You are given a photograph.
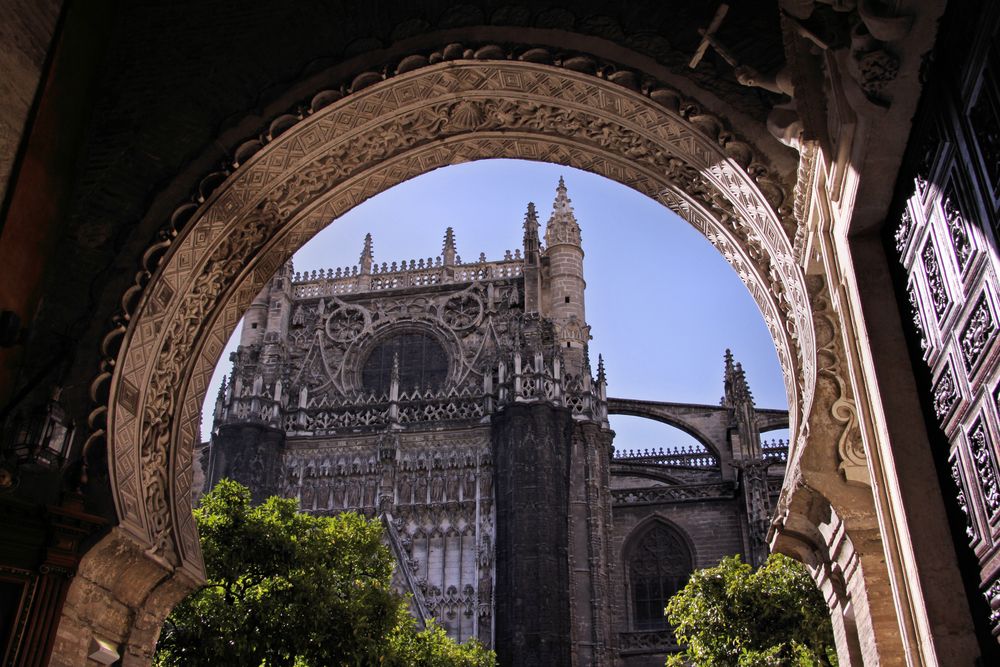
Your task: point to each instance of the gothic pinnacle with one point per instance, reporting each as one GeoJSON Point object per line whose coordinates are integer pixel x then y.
{"type": "Point", "coordinates": [448, 251]}
{"type": "Point", "coordinates": [562, 226]}
{"type": "Point", "coordinates": [366, 255]}
{"type": "Point", "coordinates": [530, 227]}
{"type": "Point", "coordinates": [601, 377]}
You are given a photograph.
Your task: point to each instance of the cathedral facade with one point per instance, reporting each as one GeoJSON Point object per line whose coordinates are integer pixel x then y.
{"type": "Point", "coordinates": [456, 401]}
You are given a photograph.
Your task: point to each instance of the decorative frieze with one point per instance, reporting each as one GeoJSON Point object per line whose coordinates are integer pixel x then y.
{"type": "Point", "coordinates": [648, 641]}
{"type": "Point", "coordinates": [667, 494]}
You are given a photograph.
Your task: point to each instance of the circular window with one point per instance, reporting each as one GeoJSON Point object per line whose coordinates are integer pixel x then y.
{"type": "Point", "coordinates": [422, 363]}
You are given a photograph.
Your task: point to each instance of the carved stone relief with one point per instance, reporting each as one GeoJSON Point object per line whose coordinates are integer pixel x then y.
{"type": "Point", "coordinates": [838, 394]}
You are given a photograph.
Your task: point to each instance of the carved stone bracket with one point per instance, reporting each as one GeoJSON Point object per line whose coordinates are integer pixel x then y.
{"type": "Point", "coordinates": [837, 394]}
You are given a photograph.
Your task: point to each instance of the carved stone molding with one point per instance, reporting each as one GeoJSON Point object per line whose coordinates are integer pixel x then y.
{"type": "Point", "coordinates": [837, 394]}
{"type": "Point", "coordinates": [217, 255]}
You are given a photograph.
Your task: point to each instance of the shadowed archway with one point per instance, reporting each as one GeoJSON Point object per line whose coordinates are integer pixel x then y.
{"type": "Point", "coordinates": [312, 168]}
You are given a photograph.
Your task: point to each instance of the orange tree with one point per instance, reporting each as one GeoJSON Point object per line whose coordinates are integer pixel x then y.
{"type": "Point", "coordinates": [287, 589]}
{"type": "Point", "coordinates": [732, 616]}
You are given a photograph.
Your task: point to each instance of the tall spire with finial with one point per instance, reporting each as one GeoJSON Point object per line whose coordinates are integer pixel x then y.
{"type": "Point", "coordinates": [531, 270]}
{"type": "Point", "coordinates": [367, 256]}
{"type": "Point", "coordinates": [531, 241]}
{"type": "Point", "coordinates": [448, 252]}
{"type": "Point", "coordinates": [562, 226]}
{"type": "Point", "coordinates": [563, 285]}
{"type": "Point", "coordinates": [727, 380]}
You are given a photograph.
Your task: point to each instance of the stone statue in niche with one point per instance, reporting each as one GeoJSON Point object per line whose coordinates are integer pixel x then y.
{"type": "Point", "coordinates": [437, 488]}
{"type": "Point", "coordinates": [308, 495]}
{"type": "Point", "coordinates": [323, 498]}
{"type": "Point", "coordinates": [353, 493]}
{"type": "Point", "coordinates": [486, 484]}
{"type": "Point", "coordinates": [469, 486]}
{"type": "Point", "coordinates": [405, 490]}
{"type": "Point", "coordinates": [338, 493]}
{"type": "Point", "coordinates": [451, 488]}
{"type": "Point", "coordinates": [420, 488]}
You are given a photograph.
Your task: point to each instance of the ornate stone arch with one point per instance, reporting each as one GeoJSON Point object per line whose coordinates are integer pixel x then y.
{"type": "Point", "coordinates": [346, 149]}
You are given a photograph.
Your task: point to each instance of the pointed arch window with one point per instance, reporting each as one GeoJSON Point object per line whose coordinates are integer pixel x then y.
{"type": "Point", "coordinates": [659, 565]}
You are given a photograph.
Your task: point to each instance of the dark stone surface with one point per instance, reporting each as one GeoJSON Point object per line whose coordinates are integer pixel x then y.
{"type": "Point", "coordinates": [531, 464]}
{"type": "Point", "coordinates": [249, 454]}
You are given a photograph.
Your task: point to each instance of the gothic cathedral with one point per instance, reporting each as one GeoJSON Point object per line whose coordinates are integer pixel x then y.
{"type": "Point", "coordinates": [457, 402]}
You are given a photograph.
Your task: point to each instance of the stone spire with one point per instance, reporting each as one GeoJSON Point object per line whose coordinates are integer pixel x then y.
{"type": "Point", "coordinates": [448, 252]}
{"type": "Point", "coordinates": [531, 242]}
{"type": "Point", "coordinates": [532, 262]}
{"type": "Point", "coordinates": [734, 379]}
{"type": "Point", "coordinates": [367, 256]}
{"type": "Point", "coordinates": [562, 226]}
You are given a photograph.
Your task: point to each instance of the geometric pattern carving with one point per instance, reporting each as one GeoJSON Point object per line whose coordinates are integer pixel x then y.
{"type": "Point", "coordinates": [945, 393]}
{"type": "Point", "coordinates": [977, 333]}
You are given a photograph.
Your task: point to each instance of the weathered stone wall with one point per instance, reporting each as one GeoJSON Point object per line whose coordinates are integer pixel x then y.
{"type": "Point", "coordinates": [249, 454]}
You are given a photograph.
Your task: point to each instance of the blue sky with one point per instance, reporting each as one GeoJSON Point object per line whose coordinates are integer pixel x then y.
{"type": "Point", "coordinates": [662, 303]}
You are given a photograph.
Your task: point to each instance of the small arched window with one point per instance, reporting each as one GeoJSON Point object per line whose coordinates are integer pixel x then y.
{"type": "Point", "coordinates": [422, 363]}
{"type": "Point", "coordinates": [659, 565]}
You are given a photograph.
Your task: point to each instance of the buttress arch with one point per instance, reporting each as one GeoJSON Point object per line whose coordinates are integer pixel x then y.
{"type": "Point", "coordinates": [313, 167]}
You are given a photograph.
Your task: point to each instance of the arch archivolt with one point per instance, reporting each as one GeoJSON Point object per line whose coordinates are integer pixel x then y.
{"type": "Point", "coordinates": [338, 156]}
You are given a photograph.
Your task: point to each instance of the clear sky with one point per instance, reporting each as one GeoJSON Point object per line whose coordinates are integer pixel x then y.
{"type": "Point", "coordinates": [662, 303]}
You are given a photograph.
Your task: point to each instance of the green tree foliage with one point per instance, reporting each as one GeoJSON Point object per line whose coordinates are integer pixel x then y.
{"type": "Point", "coordinates": [293, 590]}
{"type": "Point", "coordinates": [731, 616]}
